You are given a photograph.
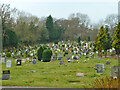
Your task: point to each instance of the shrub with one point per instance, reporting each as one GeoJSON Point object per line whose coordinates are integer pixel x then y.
{"type": "Point", "coordinates": [39, 53]}
{"type": "Point", "coordinates": [105, 83]}
{"type": "Point", "coordinates": [47, 55]}
{"type": "Point", "coordinates": [8, 54]}
{"type": "Point", "coordinates": [56, 42]}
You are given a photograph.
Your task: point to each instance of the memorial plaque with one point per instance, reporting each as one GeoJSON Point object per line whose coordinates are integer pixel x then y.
{"type": "Point", "coordinates": [33, 61]}
{"type": "Point", "coordinates": [99, 68]}
{"type": "Point", "coordinates": [6, 74]}
{"type": "Point", "coordinates": [18, 62]}
{"type": "Point", "coordinates": [80, 74]}
{"type": "Point", "coordinates": [8, 64]}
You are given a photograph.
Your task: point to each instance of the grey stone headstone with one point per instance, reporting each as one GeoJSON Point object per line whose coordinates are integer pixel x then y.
{"type": "Point", "coordinates": [6, 74]}
{"type": "Point", "coordinates": [114, 72]}
{"type": "Point", "coordinates": [59, 58]}
{"type": "Point", "coordinates": [99, 68]}
{"type": "Point", "coordinates": [33, 61]}
{"type": "Point", "coordinates": [8, 64]}
{"type": "Point", "coordinates": [99, 59]}
{"type": "Point", "coordinates": [107, 63]}
{"type": "Point", "coordinates": [61, 62]}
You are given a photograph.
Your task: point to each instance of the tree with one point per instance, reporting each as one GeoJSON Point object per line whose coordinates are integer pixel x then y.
{"type": "Point", "coordinates": [79, 40]}
{"type": "Point", "coordinates": [100, 41]}
{"type": "Point", "coordinates": [44, 35]}
{"type": "Point", "coordinates": [50, 27]}
{"type": "Point", "coordinates": [88, 38]}
{"type": "Point", "coordinates": [116, 39]}
{"type": "Point", "coordinates": [10, 40]}
{"type": "Point", "coordinates": [108, 41]}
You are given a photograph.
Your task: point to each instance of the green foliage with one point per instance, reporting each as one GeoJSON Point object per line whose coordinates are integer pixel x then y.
{"type": "Point", "coordinates": [101, 39]}
{"type": "Point", "coordinates": [88, 38]}
{"type": "Point", "coordinates": [10, 39]}
{"type": "Point", "coordinates": [78, 39]}
{"type": "Point", "coordinates": [44, 35]}
{"type": "Point", "coordinates": [116, 39]}
{"type": "Point", "coordinates": [8, 54]}
{"type": "Point", "coordinates": [47, 55]}
{"type": "Point", "coordinates": [39, 53]}
{"type": "Point", "coordinates": [49, 26]}
{"type": "Point", "coordinates": [55, 42]}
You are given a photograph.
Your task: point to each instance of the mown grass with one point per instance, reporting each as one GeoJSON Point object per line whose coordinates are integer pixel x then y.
{"type": "Point", "coordinates": [54, 75]}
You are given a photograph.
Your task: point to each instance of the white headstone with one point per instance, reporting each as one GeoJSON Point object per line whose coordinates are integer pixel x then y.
{"type": "Point", "coordinates": [8, 64]}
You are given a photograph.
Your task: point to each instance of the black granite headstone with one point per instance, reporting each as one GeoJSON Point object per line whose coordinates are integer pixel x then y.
{"type": "Point", "coordinates": [6, 74]}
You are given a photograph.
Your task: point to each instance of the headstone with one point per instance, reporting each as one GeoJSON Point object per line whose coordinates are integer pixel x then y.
{"type": "Point", "coordinates": [6, 74]}
{"type": "Point", "coordinates": [18, 62]}
{"type": "Point", "coordinates": [8, 64]}
{"type": "Point", "coordinates": [33, 61]}
{"type": "Point", "coordinates": [59, 58]}
{"type": "Point", "coordinates": [107, 63]}
{"type": "Point", "coordinates": [3, 59]}
{"type": "Point", "coordinates": [61, 62]}
{"type": "Point", "coordinates": [99, 68]}
{"type": "Point", "coordinates": [80, 74]}
{"type": "Point", "coordinates": [114, 72]}
{"type": "Point", "coordinates": [99, 59]}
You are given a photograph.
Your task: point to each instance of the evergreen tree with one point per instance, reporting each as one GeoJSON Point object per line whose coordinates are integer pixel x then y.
{"type": "Point", "coordinates": [88, 38]}
{"type": "Point", "coordinates": [116, 39]}
{"type": "Point", "coordinates": [50, 27]}
{"type": "Point", "coordinates": [108, 42]}
{"type": "Point", "coordinates": [78, 39]}
{"type": "Point", "coordinates": [100, 41]}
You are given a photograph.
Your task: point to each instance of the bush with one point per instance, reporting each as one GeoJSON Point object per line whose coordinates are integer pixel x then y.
{"type": "Point", "coordinates": [8, 54]}
{"type": "Point", "coordinates": [55, 42]}
{"type": "Point", "coordinates": [106, 82]}
{"type": "Point", "coordinates": [39, 53]}
{"type": "Point", "coordinates": [47, 55]}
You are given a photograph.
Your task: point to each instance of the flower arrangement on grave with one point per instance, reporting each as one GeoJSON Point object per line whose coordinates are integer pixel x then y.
{"type": "Point", "coordinates": [8, 54]}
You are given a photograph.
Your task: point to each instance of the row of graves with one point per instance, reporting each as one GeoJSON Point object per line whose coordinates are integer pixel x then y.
{"type": "Point", "coordinates": [72, 51]}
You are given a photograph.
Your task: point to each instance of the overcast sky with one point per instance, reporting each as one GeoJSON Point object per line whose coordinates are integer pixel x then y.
{"type": "Point", "coordinates": [95, 9]}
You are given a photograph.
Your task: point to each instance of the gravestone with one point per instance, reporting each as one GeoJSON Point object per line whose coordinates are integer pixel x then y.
{"type": "Point", "coordinates": [99, 68]}
{"type": "Point", "coordinates": [114, 71]}
{"type": "Point", "coordinates": [59, 58]}
{"type": "Point", "coordinates": [61, 62]}
{"type": "Point", "coordinates": [2, 59]}
{"type": "Point", "coordinates": [18, 62]}
{"type": "Point", "coordinates": [107, 63]}
{"type": "Point", "coordinates": [6, 74]}
{"type": "Point", "coordinates": [99, 59]}
{"type": "Point", "coordinates": [80, 74]}
{"type": "Point", "coordinates": [8, 64]}
{"type": "Point", "coordinates": [33, 61]}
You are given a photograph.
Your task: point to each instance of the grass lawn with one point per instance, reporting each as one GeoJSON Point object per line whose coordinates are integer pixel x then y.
{"type": "Point", "coordinates": [54, 75]}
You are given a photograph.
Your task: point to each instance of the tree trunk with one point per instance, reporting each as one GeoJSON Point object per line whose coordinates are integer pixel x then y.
{"type": "Point", "coordinates": [105, 53]}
